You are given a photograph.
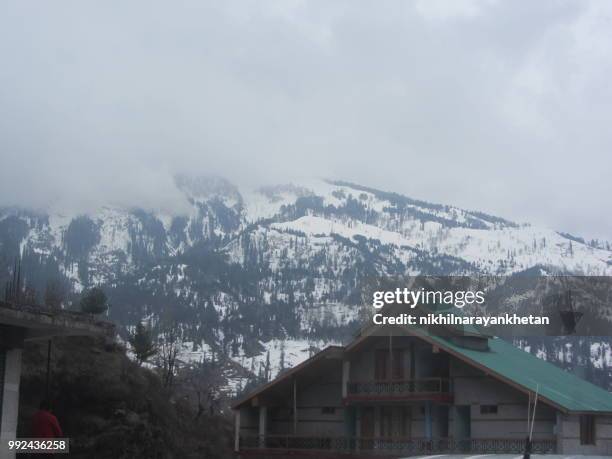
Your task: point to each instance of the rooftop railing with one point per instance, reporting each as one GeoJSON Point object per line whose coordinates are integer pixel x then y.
{"type": "Point", "coordinates": [398, 388]}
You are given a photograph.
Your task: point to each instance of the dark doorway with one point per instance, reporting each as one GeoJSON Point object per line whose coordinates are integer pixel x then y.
{"type": "Point", "coordinates": [367, 429]}
{"type": "Point", "coordinates": [367, 422]}
{"type": "Point", "coordinates": [442, 421]}
{"type": "Point", "coordinates": [463, 422]}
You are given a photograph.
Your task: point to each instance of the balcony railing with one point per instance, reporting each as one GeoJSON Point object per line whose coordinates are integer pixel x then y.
{"type": "Point", "coordinates": [400, 389]}
{"type": "Point", "coordinates": [394, 446]}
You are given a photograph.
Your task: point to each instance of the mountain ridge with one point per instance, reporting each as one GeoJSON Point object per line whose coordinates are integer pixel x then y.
{"type": "Point", "coordinates": [244, 270]}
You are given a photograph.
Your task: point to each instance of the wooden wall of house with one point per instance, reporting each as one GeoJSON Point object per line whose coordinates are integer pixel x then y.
{"type": "Point", "coordinates": [568, 436]}
{"type": "Point", "coordinates": [417, 427]}
{"type": "Point", "coordinates": [474, 388]}
{"type": "Point", "coordinates": [362, 365]}
{"type": "Point", "coordinates": [249, 421]}
{"type": "Point", "coordinates": [319, 405]}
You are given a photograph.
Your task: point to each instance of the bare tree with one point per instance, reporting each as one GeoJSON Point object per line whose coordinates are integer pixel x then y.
{"type": "Point", "coordinates": [203, 380]}
{"type": "Point", "coordinates": [168, 345]}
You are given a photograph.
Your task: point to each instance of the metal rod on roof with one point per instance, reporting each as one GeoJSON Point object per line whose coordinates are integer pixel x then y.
{"type": "Point", "coordinates": [527, 453]}
{"type": "Point", "coordinates": [535, 404]}
{"type": "Point", "coordinates": [528, 410]}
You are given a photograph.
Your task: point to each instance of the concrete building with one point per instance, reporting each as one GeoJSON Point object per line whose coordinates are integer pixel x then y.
{"type": "Point", "coordinates": [401, 391]}
{"type": "Point", "coordinates": [22, 323]}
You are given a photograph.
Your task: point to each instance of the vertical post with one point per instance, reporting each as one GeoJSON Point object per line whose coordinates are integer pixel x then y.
{"type": "Point", "coordinates": [10, 396]}
{"type": "Point", "coordinates": [295, 415]}
{"type": "Point", "coordinates": [412, 361]}
{"type": "Point", "coordinates": [428, 420]}
{"type": "Point", "coordinates": [237, 430]}
{"type": "Point", "coordinates": [2, 373]}
{"type": "Point", "coordinates": [378, 414]}
{"type": "Point", "coordinates": [358, 429]}
{"type": "Point", "coordinates": [48, 378]}
{"type": "Point", "coordinates": [390, 356]}
{"type": "Point", "coordinates": [263, 415]}
{"type": "Point", "coordinates": [346, 371]}
{"type": "Point", "coordinates": [559, 432]}
{"type": "Point", "coordinates": [377, 421]}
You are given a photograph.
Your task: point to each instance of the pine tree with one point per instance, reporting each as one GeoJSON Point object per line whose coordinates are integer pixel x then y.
{"type": "Point", "coordinates": [142, 343]}
{"type": "Point", "coordinates": [267, 369]}
{"type": "Point", "coordinates": [94, 301]}
{"type": "Point", "coordinates": [281, 363]}
{"type": "Point", "coordinates": [55, 294]}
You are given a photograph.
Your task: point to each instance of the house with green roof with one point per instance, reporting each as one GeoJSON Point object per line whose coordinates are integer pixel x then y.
{"type": "Point", "coordinates": [398, 391]}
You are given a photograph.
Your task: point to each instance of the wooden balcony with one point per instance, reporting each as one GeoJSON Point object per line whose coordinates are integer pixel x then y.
{"type": "Point", "coordinates": [272, 445]}
{"type": "Point", "coordinates": [434, 389]}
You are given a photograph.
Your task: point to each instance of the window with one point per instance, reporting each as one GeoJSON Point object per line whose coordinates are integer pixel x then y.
{"type": "Point", "coordinates": [587, 429]}
{"type": "Point", "coordinates": [328, 410]}
{"type": "Point", "coordinates": [488, 409]}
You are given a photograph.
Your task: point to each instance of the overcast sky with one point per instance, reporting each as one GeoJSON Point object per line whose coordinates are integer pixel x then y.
{"type": "Point", "coordinates": [500, 106]}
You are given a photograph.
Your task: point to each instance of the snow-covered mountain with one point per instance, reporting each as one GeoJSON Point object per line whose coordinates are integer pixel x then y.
{"type": "Point", "coordinates": [277, 269]}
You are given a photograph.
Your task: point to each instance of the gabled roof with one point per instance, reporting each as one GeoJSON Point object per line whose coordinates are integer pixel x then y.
{"type": "Point", "coordinates": [328, 352]}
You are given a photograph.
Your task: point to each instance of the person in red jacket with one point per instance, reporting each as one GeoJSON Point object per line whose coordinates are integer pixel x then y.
{"type": "Point", "coordinates": [45, 424]}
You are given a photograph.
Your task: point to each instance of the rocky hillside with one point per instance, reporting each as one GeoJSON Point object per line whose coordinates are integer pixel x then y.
{"type": "Point", "coordinates": [276, 272]}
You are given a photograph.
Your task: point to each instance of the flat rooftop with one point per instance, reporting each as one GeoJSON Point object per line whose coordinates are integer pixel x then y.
{"type": "Point", "coordinates": [41, 323]}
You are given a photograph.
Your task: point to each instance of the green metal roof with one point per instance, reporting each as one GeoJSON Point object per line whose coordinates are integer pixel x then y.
{"type": "Point", "coordinates": [524, 369]}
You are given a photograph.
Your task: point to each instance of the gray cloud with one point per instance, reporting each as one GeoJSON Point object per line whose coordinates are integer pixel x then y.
{"type": "Point", "coordinates": [501, 106]}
